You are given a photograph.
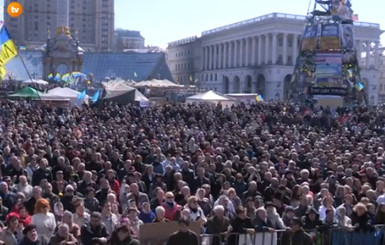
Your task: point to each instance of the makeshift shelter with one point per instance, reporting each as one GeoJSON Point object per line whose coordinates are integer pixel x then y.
{"type": "Point", "coordinates": [210, 97]}
{"type": "Point", "coordinates": [245, 98]}
{"type": "Point", "coordinates": [26, 92]}
{"type": "Point", "coordinates": [118, 91]}
{"type": "Point", "coordinates": [64, 94]}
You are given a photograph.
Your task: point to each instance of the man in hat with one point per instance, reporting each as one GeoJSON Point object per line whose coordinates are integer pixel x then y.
{"type": "Point", "coordinates": [184, 235]}
{"type": "Point", "coordinates": [298, 235]}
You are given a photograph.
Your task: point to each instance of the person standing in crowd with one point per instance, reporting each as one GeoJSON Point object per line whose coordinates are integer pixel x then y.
{"type": "Point", "coordinates": [43, 219]}
{"type": "Point", "coordinates": [31, 236]}
{"type": "Point", "coordinates": [298, 235]}
{"type": "Point", "coordinates": [219, 224]}
{"type": "Point", "coordinates": [94, 232]}
{"type": "Point", "coordinates": [63, 236]}
{"type": "Point", "coordinates": [184, 235]}
{"type": "Point", "coordinates": [12, 234]}
{"type": "Point", "coordinates": [121, 236]}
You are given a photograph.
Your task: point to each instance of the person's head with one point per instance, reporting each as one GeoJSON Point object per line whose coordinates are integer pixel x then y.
{"type": "Point", "coordinates": [42, 206]}
{"type": "Point", "coordinates": [219, 211]}
{"type": "Point", "coordinates": [30, 232]}
{"type": "Point", "coordinates": [96, 219]}
{"type": "Point", "coordinates": [12, 220]}
{"type": "Point", "coordinates": [184, 224]}
{"type": "Point", "coordinates": [107, 207]}
{"type": "Point", "coordinates": [134, 188]}
{"type": "Point", "coordinates": [241, 212]}
{"type": "Point", "coordinates": [63, 230]}
{"type": "Point", "coordinates": [67, 217]}
{"type": "Point", "coordinates": [3, 187]}
{"type": "Point", "coordinates": [146, 207]}
{"type": "Point", "coordinates": [69, 190]}
{"type": "Point", "coordinates": [169, 197]}
{"type": "Point", "coordinates": [160, 212]}
{"type": "Point", "coordinates": [133, 212]}
{"type": "Point", "coordinates": [360, 209]}
{"type": "Point", "coordinates": [193, 202]}
{"type": "Point", "coordinates": [123, 232]}
{"type": "Point", "coordinates": [261, 213]}
{"type": "Point", "coordinates": [289, 212]}
{"type": "Point", "coordinates": [23, 180]}
{"type": "Point", "coordinates": [295, 224]}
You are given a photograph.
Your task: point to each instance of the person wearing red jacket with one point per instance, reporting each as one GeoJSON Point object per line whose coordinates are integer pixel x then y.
{"type": "Point", "coordinates": [171, 207]}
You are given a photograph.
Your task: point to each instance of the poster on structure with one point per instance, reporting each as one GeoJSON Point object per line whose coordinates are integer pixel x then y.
{"type": "Point", "coordinates": [330, 37]}
{"type": "Point", "coordinates": [328, 65]}
{"type": "Point", "coordinates": [309, 41]}
{"type": "Point", "coordinates": [348, 37]}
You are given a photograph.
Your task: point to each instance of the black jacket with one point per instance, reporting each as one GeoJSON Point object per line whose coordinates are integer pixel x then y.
{"type": "Point", "coordinates": [185, 238]}
{"type": "Point", "coordinates": [88, 234]}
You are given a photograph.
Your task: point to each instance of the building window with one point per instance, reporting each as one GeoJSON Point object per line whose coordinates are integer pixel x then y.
{"type": "Point", "coordinates": [290, 42]}
{"type": "Point", "coordinates": [280, 42]}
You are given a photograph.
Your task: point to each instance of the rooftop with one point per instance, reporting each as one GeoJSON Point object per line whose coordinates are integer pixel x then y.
{"type": "Point", "coordinates": [301, 18]}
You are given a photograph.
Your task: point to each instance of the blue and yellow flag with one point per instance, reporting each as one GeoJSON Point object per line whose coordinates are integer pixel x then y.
{"type": "Point", "coordinates": [8, 49]}
{"type": "Point", "coordinates": [50, 76]}
{"type": "Point", "coordinates": [57, 77]}
{"type": "Point", "coordinates": [259, 98]}
{"type": "Point", "coordinates": [65, 77]}
{"type": "Point", "coordinates": [360, 86]}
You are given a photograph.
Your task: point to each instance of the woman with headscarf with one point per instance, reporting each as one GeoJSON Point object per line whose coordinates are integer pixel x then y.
{"type": "Point", "coordinates": [43, 219]}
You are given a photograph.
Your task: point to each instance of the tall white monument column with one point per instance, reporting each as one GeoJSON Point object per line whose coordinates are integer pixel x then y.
{"type": "Point", "coordinates": [259, 50]}
{"type": "Point", "coordinates": [230, 54]}
{"type": "Point", "coordinates": [295, 48]}
{"type": "Point", "coordinates": [247, 52]}
{"type": "Point", "coordinates": [368, 54]}
{"type": "Point", "coordinates": [267, 48]}
{"type": "Point", "coordinates": [236, 53]}
{"type": "Point", "coordinates": [241, 51]}
{"type": "Point", "coordinates": [284, 55]}
{"type": "Point", "coordinates": [253, 50]}
{"type": "Point", "coordinates": [274, 49]}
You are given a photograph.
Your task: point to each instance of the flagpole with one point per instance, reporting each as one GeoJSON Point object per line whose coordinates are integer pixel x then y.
{"type": "Point", "coordinates": [25, 67]}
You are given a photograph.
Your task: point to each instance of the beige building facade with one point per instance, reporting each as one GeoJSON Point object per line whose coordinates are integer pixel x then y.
{"type": "Point", "coordinates": [258, 56]}
{"type": "Point", "coordinates": [90, 21]}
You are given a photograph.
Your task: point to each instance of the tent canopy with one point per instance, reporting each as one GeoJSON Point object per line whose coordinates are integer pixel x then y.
{"type": "Point", "coordinates": [35, 81]}
{"type": "Point", "coordinates": [208, 96]}
{"type": "Point", "coordinates": [121, 92]}
{"type": "Point", "coordinates": [27, 92]}
{"type": "Point", "coordinates": [154, 83]}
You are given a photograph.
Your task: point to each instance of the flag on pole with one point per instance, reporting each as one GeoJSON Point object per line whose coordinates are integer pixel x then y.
{"type": "Point", "coordinates": [50, 76]}
{"type": "Point", "coordinates": [65, 77]}
{"type": "Point", "coordinates": [57, 77]}
{"type": "Point", "coordinates": [82, 95]}
{"type": "Point", "coordinates": [96, 96]}
{"type": "Point", "coordinates": [259, 98]}
{"type": "Point", "coordinates": [360, 86]}
{"type": "Point", "coordinates": [8, 50]}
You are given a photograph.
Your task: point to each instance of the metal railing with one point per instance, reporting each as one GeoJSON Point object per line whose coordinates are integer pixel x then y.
{"type": "Point", "coordinates": [332, 236]}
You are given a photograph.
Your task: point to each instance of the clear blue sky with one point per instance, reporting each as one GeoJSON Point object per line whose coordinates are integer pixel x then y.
{"type": "Point", "coordinates": [162, 21]}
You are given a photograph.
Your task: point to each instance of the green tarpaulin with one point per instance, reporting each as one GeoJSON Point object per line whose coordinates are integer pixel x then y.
{"type": "Point", "coordinates": [27, 92]}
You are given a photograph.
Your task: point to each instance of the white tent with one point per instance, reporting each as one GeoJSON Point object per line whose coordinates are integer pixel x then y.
{"type": "Point", "coordinates": [63, 94]}
{"type": "Point", "coordinates": [154, 83]}
{"type": "Point", "coordinates": [35, 81]}
{"type": "Point", "coordinates": [210, 97]}
{"type": "Point", "coordinates": [121, 92]}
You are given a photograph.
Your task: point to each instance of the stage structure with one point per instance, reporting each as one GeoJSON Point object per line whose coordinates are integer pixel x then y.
{"type": "Point", "coordinates": [327, 63]}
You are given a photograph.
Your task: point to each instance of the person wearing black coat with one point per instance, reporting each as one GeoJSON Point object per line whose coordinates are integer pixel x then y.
{"type": "Point", "coordinates": [361, 219]}
{"type": "Point", "coordinates": [311, 220]}
{"type": "Point", "coordinates": [31, 237]}
{"type": "Point", "coordinates": [298, 235]}
{"type": "Point", "coordinates": [121, 236]}
{"type": "Point", "coordinates": [94, 232]}
{"type": "Point", "coordinates": [241, 225]}
{"type": "Point", "coordinates": [184, 236]}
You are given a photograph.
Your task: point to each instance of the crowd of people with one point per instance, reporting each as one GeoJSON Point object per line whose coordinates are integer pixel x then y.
{"type": "Point", "coordinates": [94, 175]}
